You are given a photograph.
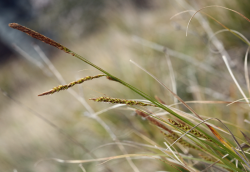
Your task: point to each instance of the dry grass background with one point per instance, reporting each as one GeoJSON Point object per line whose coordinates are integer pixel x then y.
{"type": "Point", "coordinates": [26, 139]}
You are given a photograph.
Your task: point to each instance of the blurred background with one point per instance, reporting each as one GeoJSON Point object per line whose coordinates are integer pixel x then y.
{"type": "Point", "coordinates": [110, 34]}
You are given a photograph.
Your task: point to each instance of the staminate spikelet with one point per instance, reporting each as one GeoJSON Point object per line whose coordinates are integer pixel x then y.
{"type": "Point", "coordinates": [185, 127]}
{"type": "Point", "coordinates": [121, 101]}
{"type": "Point", "coordinates": [38, 36]}
{"type": "Point", "coordinates": [64, 87]}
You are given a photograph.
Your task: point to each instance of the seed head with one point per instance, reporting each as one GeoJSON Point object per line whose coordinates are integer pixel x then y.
{"type": "Point", "coordinates": [64, 87]}
{"type": "Point", "coordinates": [121, 101]}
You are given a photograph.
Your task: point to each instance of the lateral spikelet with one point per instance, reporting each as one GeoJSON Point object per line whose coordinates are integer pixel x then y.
{"type": "Point", "coordinates": [185, 127]}
{"type": "Point", "coordinates": [172, 136]}
{"type": "Point", "coordinates": [121, 101]}
{"type": "Point", "coordinates": [64, 87]}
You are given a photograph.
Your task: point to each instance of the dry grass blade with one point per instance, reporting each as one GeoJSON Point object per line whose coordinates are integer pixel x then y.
{"type": "Point", "coordinates": [246, 137]}
{"type": "Point", "coordinates": [95, 160]}
{"type": "Point", "coordinates": [186, 11]}
{"type": "Point", "coordinates": [211, 102]}
{"type": "Point", "coordinates": [232, 31]}
{"type": "Point", "coordinates": [82, 168]}
{"type": "Point", "coordinates": [172, 76]}
{"type": "Point", "coordinates": [28, 57]}
{"type": "Point", "coordinates": [238, 101]}
{"type": "Point", "coordinates": [246, 70]}
{"type": "Point", "coordinates": [214, 6]}
{"type": "Point", "coordinates": [180, 160]}
{"type": "Point", "coordinates": [234, 79]}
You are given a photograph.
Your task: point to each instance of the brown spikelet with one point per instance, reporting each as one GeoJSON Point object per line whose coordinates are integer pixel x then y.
{"type": "Point", "coordinates": [38, 36]}
{"type": "Point", "coordinates": [172, 135]}
{"type": "Point", "coordinates": [121, 101]}
{"type": "Point", "coordinates": [49, 41]}
{"type": "Point", "coordinates": [185, 127]}
{"type": "Point", "coordinates": [64, 87]}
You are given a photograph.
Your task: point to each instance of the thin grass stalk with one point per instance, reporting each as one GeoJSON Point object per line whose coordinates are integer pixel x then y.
{"type": "Point", "coordinates": [234, 79]}
{"type": "Point", "coordinates": [218, 21]}
{"type": "Point", "coordinates": [246, 70]}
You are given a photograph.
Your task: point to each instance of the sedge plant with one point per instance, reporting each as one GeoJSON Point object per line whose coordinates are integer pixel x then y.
{"type": "Point", "coordinates": [194, 133]}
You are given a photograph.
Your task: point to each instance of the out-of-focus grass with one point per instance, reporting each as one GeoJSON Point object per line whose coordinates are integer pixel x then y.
{"type": "Point", "coordinates": [25, 138]}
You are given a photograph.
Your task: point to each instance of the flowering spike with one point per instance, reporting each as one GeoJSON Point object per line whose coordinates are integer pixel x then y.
{"type": "Point", "coordinates": [172, 135]}
{"type": "Point", "coordinates": [185, 127]}
{"type": "Point", "coordinates": [38, 36]}
{"type": "Point", "coordinates": [121, 101]}
{"type": "Point", "coordinates": [64, 87]}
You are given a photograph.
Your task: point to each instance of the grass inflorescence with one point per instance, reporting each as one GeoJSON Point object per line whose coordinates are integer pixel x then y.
{"type": "Point", "coordinates": [38, 36]}
{"type": "Point", "coordinates": [185, 127]}
{"type": "Point", "coordinates": [121, 101]}
{"type": "Point", "coordinates": [67, 86]}
{"type": "Point", "coordinates": [171, 135]}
